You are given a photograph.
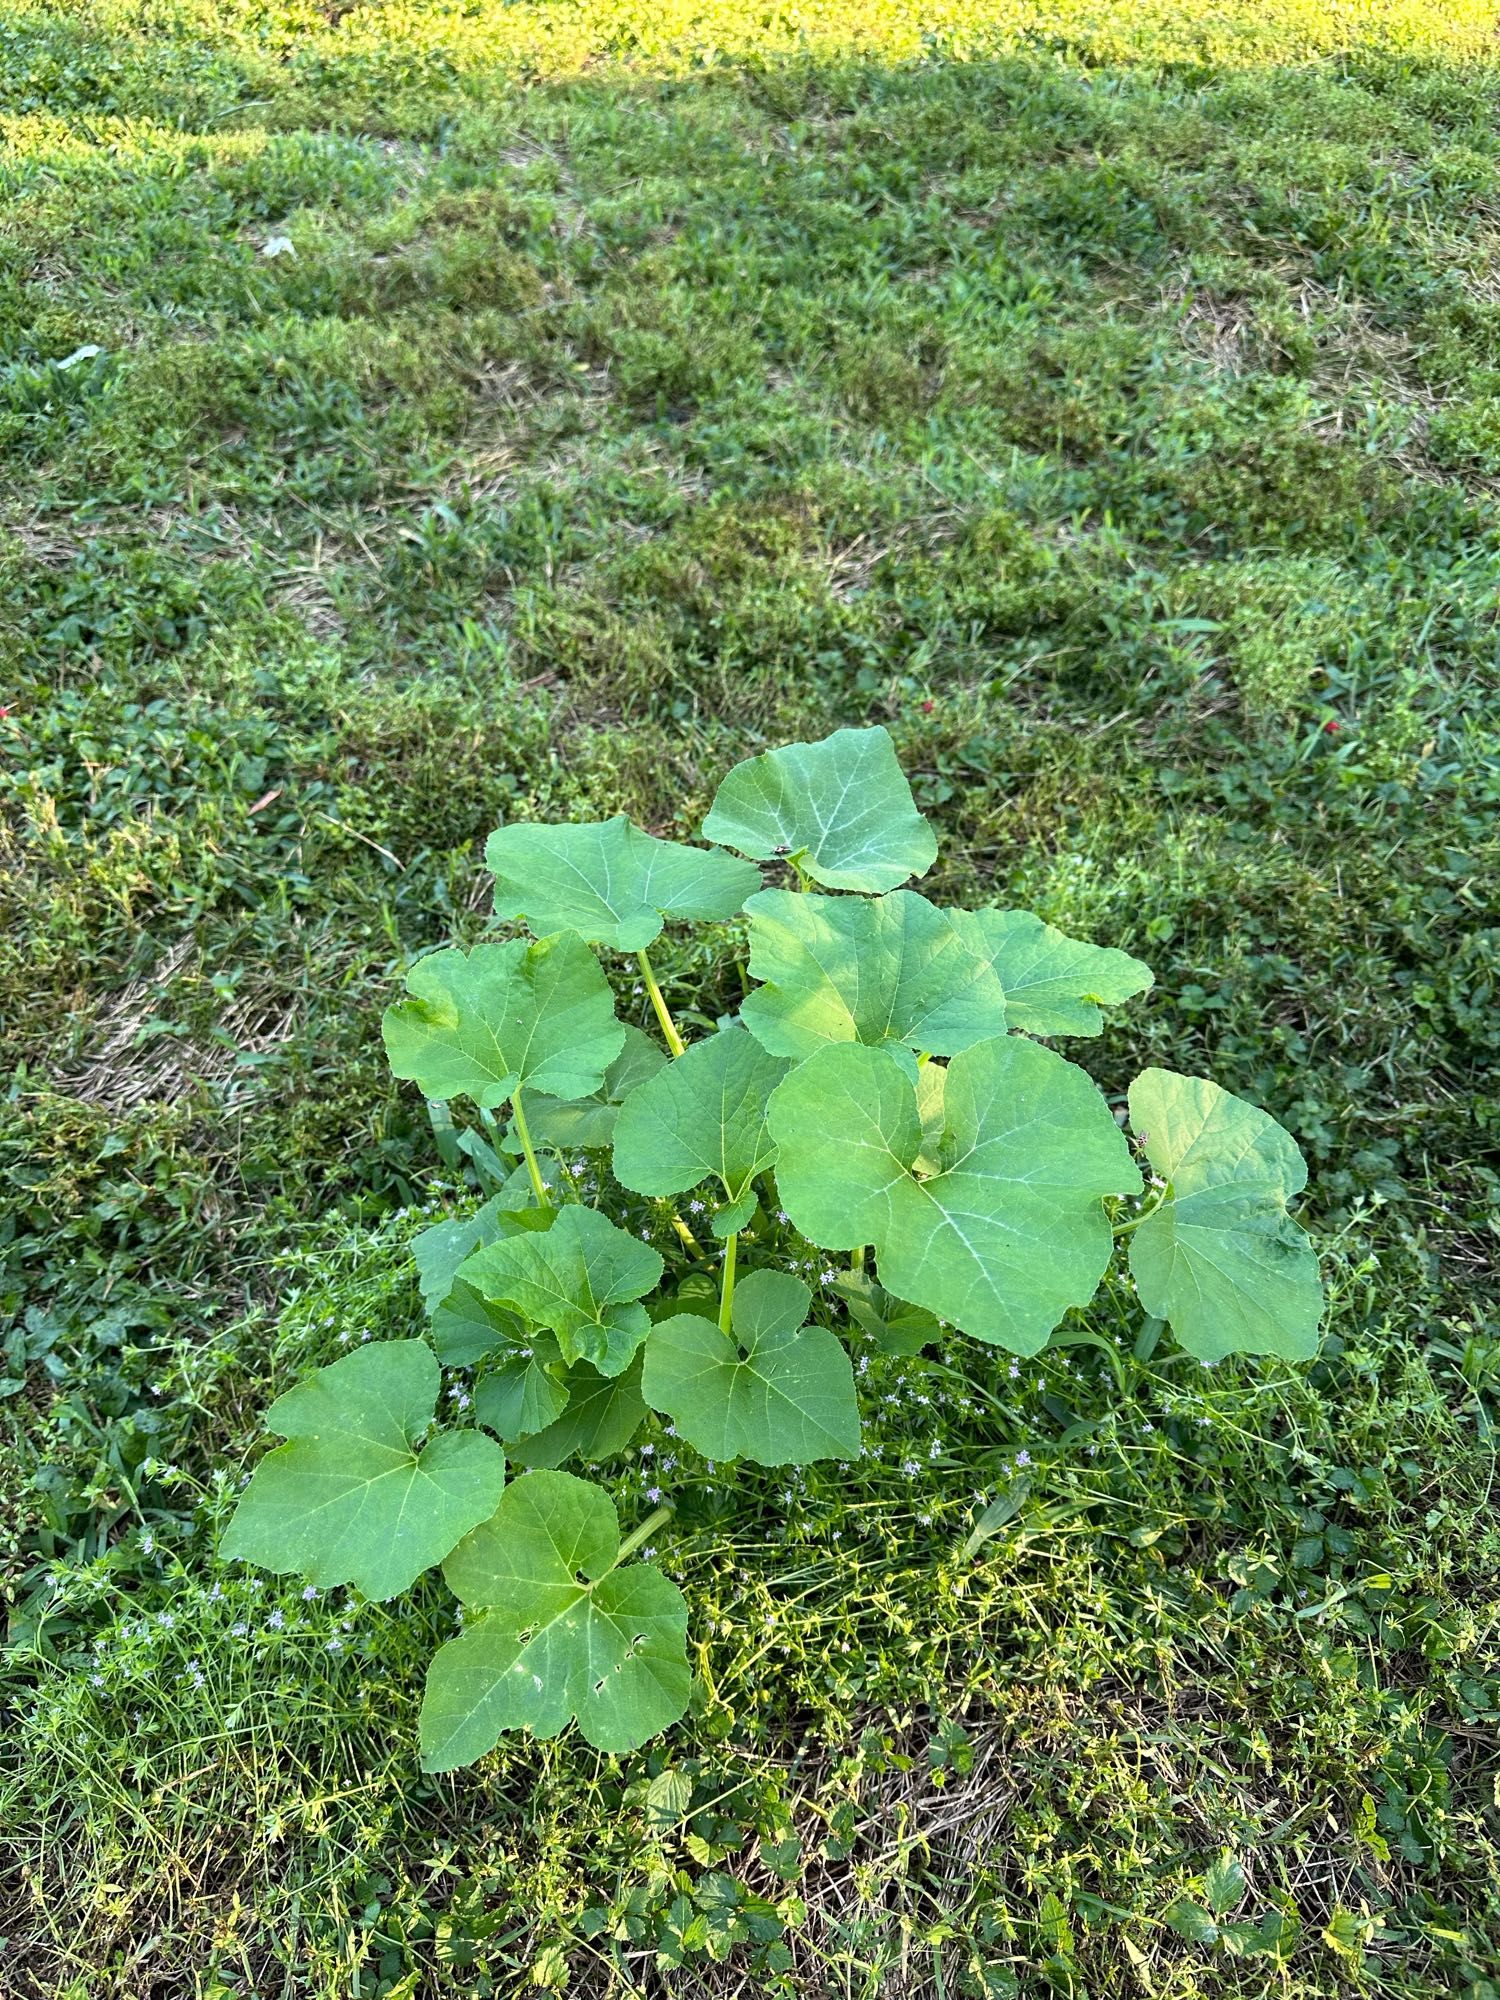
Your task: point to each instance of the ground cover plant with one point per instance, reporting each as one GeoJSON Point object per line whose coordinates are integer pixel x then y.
{"type": "Point", "coordinates": [420, 420]}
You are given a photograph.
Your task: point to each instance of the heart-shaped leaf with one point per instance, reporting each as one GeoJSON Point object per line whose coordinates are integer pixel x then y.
{"type": "Point", "coordinates": [851, 969]}
{"type": "Point", "coordinates": [775, 1391]}
{"type": "Point", "coordinates": [1054, 984]}
{"type": "Point", "coordinates": [609, 1649]}
{"type": "Point", "coordinates": [842, 809]}
{"type": "Point", "coordinates": [702, 1117]}
{"type": "Point", "coordinates": [350, 1498]}
{"type": "Point", "coordinates": [1221, 1260]}
{"type": "Point", "coordinates": [602, 1416]}
{"type": "Point", "coordinates": [583, 1124]}
{"type": "Point", "coordinates": [482, 1023]}
{"type": "Point", "coordinates": [609, 882]}
{"type": "Point", "coordinates": [1011, 1233]}
{"type": "Point", "coordinates": [580, 1278]}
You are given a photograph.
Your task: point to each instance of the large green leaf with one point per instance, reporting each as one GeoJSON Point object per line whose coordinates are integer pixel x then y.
{"type": "Point", "coordinates": [579, 1124]}
{"type": "Point", "coordinates": [484, 1022]}
{"type": "Point", "coordinates": [609, 881]}
{"type": "Point", "coordinates": [564, 1632]}
{"type": "Point", "coordinates": [855, 969]}
{"type": "Point", "coordinates": [702, 1117]}
{"type": "Point", "coordinates": [351, 1498]}
{"type": "Point", "coordinates": [1221, 1259]}
{"type": "Point", "coordinates": [842, 809]}
{"type": "Point", "coordinates": [1012, 1231]}
{"type": "Point", "coordinates": [1054, 984]}
{"type": "Point", "coordinates": [581, 1278]}
{"type": "Point", "coordinates": [602, 1415]}
{"type": "Point", "coordinates": [775, 1391]}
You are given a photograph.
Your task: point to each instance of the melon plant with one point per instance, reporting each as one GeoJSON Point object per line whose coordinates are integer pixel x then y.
{"type": "Point", "coordinates": [888, 1089]}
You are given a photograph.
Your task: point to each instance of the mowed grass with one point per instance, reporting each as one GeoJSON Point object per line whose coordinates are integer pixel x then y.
{"type": "Point", "coordinates": [414, 418]}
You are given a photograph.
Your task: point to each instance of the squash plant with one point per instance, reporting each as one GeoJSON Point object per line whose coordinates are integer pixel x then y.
{"type": "Point", "coordinates": [887, 1089]}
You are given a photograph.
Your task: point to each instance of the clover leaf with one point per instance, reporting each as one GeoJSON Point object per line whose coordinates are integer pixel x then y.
{"type": "Point", "coordinates": [351, 1498]}
{"type": "Point", "coordinates": [562, 1632]}
{"type": "Point", "coordinates": [1011, 1232]}
{"type": "Point", "coordinates": [484, 1022]}
{"type": "Point", "coordinates": [609, 882]}
{"type": "Point", "coordinates": [580, 1278]}
{"type": "Point", "coordinates": [841, 809]}
{"type": "Point", "coordinates": [772, 1390]}
{"type": "Point", "coordinates": [1054, 984]}
{"type": "Point", "coordinates": [702, 1117]}
{"type": "Point", "coordinates": [1220, 1258]}
{"type": "Point", "coordinates": [851, 969]}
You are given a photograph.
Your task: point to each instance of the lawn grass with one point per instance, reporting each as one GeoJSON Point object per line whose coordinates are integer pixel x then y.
{"type": "Point", "coordinates": [417, 417]}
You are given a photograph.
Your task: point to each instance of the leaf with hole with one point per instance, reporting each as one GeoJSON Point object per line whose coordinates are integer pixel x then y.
{"type": "Point", "coordinates": [854, 969]}
{"type": "Point", "coordinates": [354, 1496]}
{"type": "Point", "coordinates": [1054, 984]}
{"type": "Point", "coordinates": [482, 1023]}
{"type": "Point", "coordinates": [609, 882]}
{"type": "Point", "coordinates": [561, 1632]}
{"type": "Point", "coordinates": [841, 808]}
{"type": "Point", "coordinates": [773, 1389]}
{"type": "Point", "coordinates": [1011, 1233]}
{"type": "Point", "coordinates": [1221, 1259]}
{"type": "Point", "coordinates": [581, 1277]}
{"type": "Point", "coordinates": [701, 1118]}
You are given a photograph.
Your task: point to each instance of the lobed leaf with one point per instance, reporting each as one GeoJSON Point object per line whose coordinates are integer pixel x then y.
{"type": "Point", "coordinates": [1221, 1259]}
{"type": "Point", "coordinates": [484, 1022]}
{"type": "Point", "coordinates": [850, 969]}
{"type": "Point", "coordinates": [525, 1392]}
{"type": "Point", "coordinates": [563, 1632]}
{"type": "Point", "coordinates": [609, 882]}
{"type": "Point", "coordinates": [583, 1124]}
{"type": "Point", "coordinates": [581, 1277]}
{"type": "Point", "coordinates": [602, 1415]}
{"type": "Point", "coordinates": [841, 808]}
{"type": "Point", "coordinates": [776, 1391]}
{"type": "Point", "coordinates": [351, 1498]}
{"type": "Point", "coordinates": [1054, 984]}
{"type": "Point", "coordinates": [1011, 1232]}
{"type": "Point", "coordinates": [702, 1117]}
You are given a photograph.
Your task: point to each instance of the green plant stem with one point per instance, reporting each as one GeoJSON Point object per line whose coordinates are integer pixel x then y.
{"type": "Point", "coordinates": [668, 1026]}
{"type": "Point", "coordinates": [539, 1186]}
{"type": "Point", "coordinates": [857, 1260]}
{"type": "Point", "coordinates": [685, 1235]}
{"type": "Point", "coordinates": [1124, 1228]}
{"type": "Point", "coordinates": [726, 1290]}
{"type": "Point", "coordinates": [648, 1527]}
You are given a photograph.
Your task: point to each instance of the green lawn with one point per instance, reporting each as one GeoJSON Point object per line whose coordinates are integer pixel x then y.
{"type": "Point", "coordinates": [415, 417]}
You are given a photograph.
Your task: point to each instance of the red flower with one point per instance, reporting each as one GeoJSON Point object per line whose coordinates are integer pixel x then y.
{"type": "Point", "coordinates": [1330, 729]}
{"type": "Point", "coordinates": [928, 707]}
